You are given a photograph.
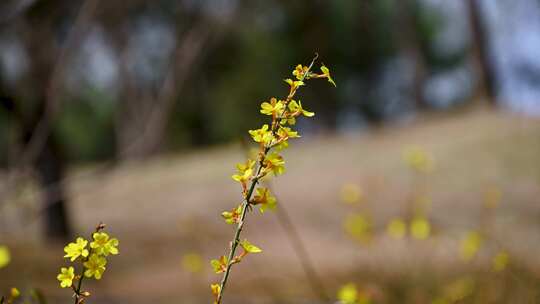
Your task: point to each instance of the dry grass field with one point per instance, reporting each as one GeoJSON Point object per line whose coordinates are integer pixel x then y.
{"type": "Point", "coordinates": [164, 208]}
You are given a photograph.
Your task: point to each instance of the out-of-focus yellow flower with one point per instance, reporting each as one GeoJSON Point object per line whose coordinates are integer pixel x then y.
{"type": "Point", "coordinates": [397, 228]}
{"type": "Point", "coordinates": [5, 256]}
{"type": "Point", "coordinates": [264, 199]}
{"type": "Point", "coordinates": [192, 262]}
{"type": "Point", "coordinates": [274, 163]}
{"type": "Point", "coordinates": [326, 73]}
{"type": "Point", "coordinates": [420, 228]}
{"type": "Point", "coordinates": [351, 193]}
{"type": "Point", "coordinates": [492, 197]}
{"type": "Point", "coordinates": [296, 109]}
{"type": "Point", "coordinates": [470, 245]}
{"type": "Point", "coordinates": [262, 135]}
{"type": "Point", "coordinates": [300, 71]}
{"type": "Point", "coordinates": [95, 266]}
{"type": "Point", "coordinates": [274, 107]}
{"type": "Point", "coordinates": [418, 159]}
{"type": "Point", "coordinates": [359, 227]}
{"type": "Point", "coordinates": [66, 276]}
{"type": "Point", "coordinates": [500, 261]}
{"type": "Point", "coordinates": [347, 294]}
{"type": "Point", "coordinates": [220, 265]}
{"type": "Point", "coordinates": [233, 216]}
{"type": "Point", "coordinates": [460, 289]}
{"type": "Point", "coordinates": [440, 300]}
{"type": "Point", "coordinates": [250, 248]}
{"type": "Point", "coordinates": [244, 171]}
{"type": "Point", "coordinates": [77, 249]}
{"type": "Point", "coordinates": [14, 293]}
{"type": "Point", "coordinates": [103, 244]}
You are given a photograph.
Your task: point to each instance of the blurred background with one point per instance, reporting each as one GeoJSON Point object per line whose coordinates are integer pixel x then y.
{"type": "Point", "coordinates": [416, 182]}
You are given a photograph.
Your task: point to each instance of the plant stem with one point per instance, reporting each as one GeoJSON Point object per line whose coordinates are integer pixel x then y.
{"type": "Point", "coordinates": [247, 199]}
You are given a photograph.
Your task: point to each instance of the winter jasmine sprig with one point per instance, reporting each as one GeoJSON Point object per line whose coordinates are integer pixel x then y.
{"type": "Point", "coordinates": [93, 258]}
{"type": "Point", "coordinates": [276, 135]}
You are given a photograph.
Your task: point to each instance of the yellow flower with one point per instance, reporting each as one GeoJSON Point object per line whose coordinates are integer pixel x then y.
{"type": "Point", "coordinates": [66, 276]}
{"type": "Point", "coordinates": [296, 109]}
{"type": "Point", "coordinates": [244, 171]}
{"type": "Point", "coordinates": [420, 228]}
{"type": "Point", "coordinates": [216, 290]}
{"type": "Point", "coordinates": [232, 217]}
{"type": "Point", "coordinates": [360, 227]}
{"type": "Point", "coordinates": [220, 265]}
{"type": "Point", "coordinates": [275, 163]}
{"type": "Point", "coordinates": [418, 159]}
{"type": "Point", "coordinates": [326, 73]}
{"type": "Point", "coordinates": [286, 133]}
{"type": "Point", "coordinates": [74, 250]}
{"type": "Point", "coordinates": [347, 294]}
{"type": "Point", "coordinates": [262, 135]}
{"type": "Point", "coordinates": [14, 293]}
{"type": "Point", "coordinates": [264, 199]}
{"type": "Point", "coordinates": [274, 107]}
{"type": "Point", "coordinates": [397, 228]}
{"type": "Point", "coordinates": [250, 248]}
{"type": "Point", "coordinates": [294, 84]}
{"type": "Point", "coordinates": [95, 266]}
{"type": "Point", "coordinates": [300, 71]}
{"type": "Point", "coordinates": [5, 257]}
{"type": "Point", "coordinates": [351, 193]}
{"type": "Point", "coordinates": [470, 245]}
{"type": "Point", "coordinates": [192, 262]}
{"type": "Point", "coordinates": [103, 245]}
{"type": "Point", "coordinates": [501, 261]}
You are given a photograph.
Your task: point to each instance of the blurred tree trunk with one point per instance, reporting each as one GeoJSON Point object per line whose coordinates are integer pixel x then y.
{"type": "Point", "coordinates": [410, 44]}
{"type": "Point", "coordinates": [31, 107]}
{"type": "Point", "coordinates": [480, 54]}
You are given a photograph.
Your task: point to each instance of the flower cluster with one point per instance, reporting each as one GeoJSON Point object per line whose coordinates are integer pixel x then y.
{"type": "Point", "coordinates": [93, 257]}
{"type": "Point", "coordinates": [271, 136]}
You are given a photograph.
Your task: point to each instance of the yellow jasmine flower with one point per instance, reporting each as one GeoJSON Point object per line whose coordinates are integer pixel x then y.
{"type": "Point", "coordinates": [250, 248]}
{"type": "Point", "coordinates": [14, 293]}
{"type": "Point", "coordinates": [232, 217]}
{"type": "Point", "coordinates": [296, 109]}
{"type": "Point", "coordinates": [326, 73]}
{"type": "Point", "coordinates": [359, 227]}
{"type": "Point", "coordinates": [66, 276]}
{"type": "Point", "coordinates": [295, 84]}
{"type": "Point", "coordinates": [103, 245]}
{"type": "Point", "coordinates": [262, 135]}
{"type": "Point", "coordinates": [500, 261]}
{"type": "Point", "coordinates": [274, 107]}
{"type": "Point", "coordinates": [74, 250]}
{"type": "Point", "coordinates": [418, 159]}
{"type": "Point", "coordinates": [420, 228]}
{"type": "Point", "coordinates": [397, 228]}
{"type": "Point", "coordinates": [244, 171]}
{"type": "Point", "coordinates": [216, 289]}
{"type": "Point", "coordinates": [220, 265]}
{"type": "Point", "coordinates": [300, 71]}
{"type": "Point", "coordinates": [351, 193]}
{"type": "Point", "coordinates": [95, 266]}
{"type": "Point", "coordinates": [264, 199]}
{"type": "Point", "coordinates": [192, 262]}
{"type": "Point", "coordinates": [347, 294]}
{"type": "Point", "coordinates": [275, 163]}
{"type": "Point", "coordinates": [470, 245]}
{"type": "Point", "coordinates": [5, 257]}
{"type": "Point", "coordinates": [286, 132]}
